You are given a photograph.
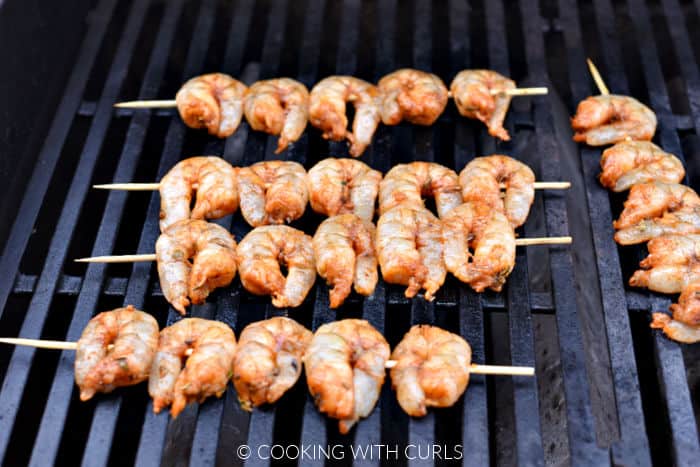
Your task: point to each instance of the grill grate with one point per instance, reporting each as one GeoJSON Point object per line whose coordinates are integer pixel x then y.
{"type": "Point", "coordinates": [585, 405]}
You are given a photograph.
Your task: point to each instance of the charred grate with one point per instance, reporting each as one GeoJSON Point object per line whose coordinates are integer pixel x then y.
{"type": "Point", "coordinates": [567, 311]}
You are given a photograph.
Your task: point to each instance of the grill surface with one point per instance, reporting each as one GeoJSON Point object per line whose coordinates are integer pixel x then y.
{"type": "Point", "coordinates": [608, 390]}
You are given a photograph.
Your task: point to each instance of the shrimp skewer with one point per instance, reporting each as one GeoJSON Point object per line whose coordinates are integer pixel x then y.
{"type": "Point", "coordinates": [412, 95]}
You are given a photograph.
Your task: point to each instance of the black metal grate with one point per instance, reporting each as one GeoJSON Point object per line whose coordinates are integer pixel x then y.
{"type": "Point", "coordinates": [608, 390]}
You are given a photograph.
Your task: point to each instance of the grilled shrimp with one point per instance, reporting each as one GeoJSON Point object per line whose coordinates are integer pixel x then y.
{"type": "Point", "coordinates": [345, 255]}
{"type": "Point", "coordinates": [409, 249]}
{"type": "Point", "coordinates": [341, 186]}
{"type": "Point", "coordinates": [345, 369]}
{"type": "Point", "coordinates": [654, 209]}
{"type": "Point", "coordinates": [213, 101]}
{"type": "Point", "coordinates": [211, 178]}
{"type": "Point", "coordinates": [632, 162]}
{"type": "Point", "coordinates": [272, 192]}
{"type": "Point", "coordinates": [471, 90]}
{"type": "Point", "coordinates": [206, 370]}
{"type": "Point", "coordinates": [412, 95]}
{"type": "Point", "coordinates": [432, 369]}
{"type": "Point", "coordinates": [488, 233]}
{"type": "Point", "coordinates": [260, 255]}
{"type": "Point", "coordinates": [675, 330]}
{"type": "Point", "coordinates": [116, 349]}
{"type": "Point", "coordinates": [327, 110]}
{"type": "Point", "coordinates": [278, 107]}
{"type": "Point", "coordinates": [602, 120]}
{"type": "Point", "coordinates": [481, 180]}
{"type": "Point", "coordinates": [408, 183]}
{"type": "Point", "coordinates": [268, 360]}
{"type": "Point", "coordinates": [213, 253]}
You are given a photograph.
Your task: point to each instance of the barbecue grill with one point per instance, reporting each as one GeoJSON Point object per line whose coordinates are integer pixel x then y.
{"type": "Point", "coordinates": [608, 390]}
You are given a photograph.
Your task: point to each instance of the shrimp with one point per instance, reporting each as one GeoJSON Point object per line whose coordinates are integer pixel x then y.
{"type": "Point", "coordinates": [408, 183]}
{"type": "Point", "coordinates": [213, 101]}
{"type": "Point", "coordinates": [278, 107]}
{"type": "Point", "coordinates": [345, 255]}
{"type": "Point", "coordinates": [268, 360]}
{"type": "Point", "coordinates": [675, 330]}
{"type": "Point", "coordinates": [345, 369]}
{"type": "Point", "coordinates": [654, 209]}
{"type": "Point", "coordinates": [213, 253]}
{"type": "Point", "coordinates": [116, 349]}
{"type": "Point", "coordinates": [272, 192]}
{"type": "Point", "coordinates": [412, 95]}
{"type": "Point", "coordinates": [260, 255]}
{"type": "Point", "coordinates": [341, 186]}
{"type": "Point", "coordinates": [492, 239]}
{"type": "Point", "coordinates": [481, 180]}
{"type": "Point", "coordinates": [211, 346]}
{"type": "Point", "coordinates": [609, 119]}
{"type": "Point", "coordinates": [432, 369]}
{"type": "Point", "coordinates": [409, 249]}
{"type": "Point", "coordinates": [632, 162]}
{"type": "Point", "coordinates": [327, 110]}
{"type": "Point", "coordinates": [471, 90]}
{"type": "Point", "coordinates": [211, 178]}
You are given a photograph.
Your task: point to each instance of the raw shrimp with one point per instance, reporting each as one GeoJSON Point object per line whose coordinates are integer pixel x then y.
{"type": "Point", "coordinates": [278, 107]}
{"type": "Point", "coordinates": [345, 255]}
{"type": "Point", "coordinates": [272, 192]}
{"type": "Point", "coordinates": [654, 209]}
{"type": "Point", "coordinates": [481, 180]}
{"type": "Point", "coordinates": [471, 90]}
{"type": "Point", "coordinates": [432, 369]}
{"type": "Point", "coordinates": [213, 101]}
{"type": "Point", "coordinates": [327, 110]}
{"type": "Point", "coordinates": [268, 360]}
{"type": "Point", "coordinates": [409, 249]}
{"type": "Point", "coordinates": [408, 183]}
{"type": "Point", "coordinates": [412, 95]}
{"type": "Point", "coordinates": [211, 178]}
{"type": "Point", "coordinates": [341, 186]}
{"type": "Point", "coordinates": [632, 162]}
{"type": "Point", "coordinates": [116, 349]}
{"type": "Point", "coordinates": [602, 120]}
{"type": "Point", "coordinates": [488, 233]}
{"type": "Point", "coordinates": [675, 330]}
{"type": "Point", "coordinates": [206, 370]}
{"type": "Point", "coordinates": [213, 253]}
{"type": "Point", "coordinates": [345, 369]}
{"type": "Point", "coordinates": [260, 255]}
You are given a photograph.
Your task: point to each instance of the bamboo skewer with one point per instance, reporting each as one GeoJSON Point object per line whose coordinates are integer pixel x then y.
{"type": "Point", "coordinates": [164, 104]}
{"type": "Point", "coordinates": [537, 91]}
{"type": "Point", "coordinates": [597, 78]}
{"type": "Point", "coordinates": [473, 368]}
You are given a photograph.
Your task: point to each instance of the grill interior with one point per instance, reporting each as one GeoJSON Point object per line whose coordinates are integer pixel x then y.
{"type": "Point", "coordinates": [608, 390]}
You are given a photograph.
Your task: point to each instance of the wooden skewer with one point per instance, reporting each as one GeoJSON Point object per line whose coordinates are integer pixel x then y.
{"type": "Point", "coordinates": [539, 91]}
{"type": "Point", "coordinates": [165, 104]}
{"type": "Point", "coordinates": [543, 241]}
{"type": "Point", "coordinates": [488, 369]}
{"type": "Point", "coordinates": [58, 345]}
{"type": "Point", "coordinates": [597, 78]}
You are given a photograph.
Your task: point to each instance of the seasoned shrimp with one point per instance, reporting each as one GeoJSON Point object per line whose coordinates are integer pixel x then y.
{"type": "Point", "coordinates": [341, 186]}
{"type": "Point", "coordinates": [213, 253]}
{"type": "Point", "coordinates": [488, 233]}
{"type": "Point", "coordinates": [272, 192]}
{"type": "Point", "coordinates": [471, 90]}
{"type": "Point", "coordinates": [268, 360]}
{"type": "Point", "coordinates": [481, 180]}
{"type": "Point", "coordinates": [327, 110]}
{"type": "Point", "coordinates": [260, 255]}
{"type": "Point", "coordinates": [654, 209]}
{"type": "Point", "coordinates": [432, 369]}
{"type": "Point", "coordinates": [408, 183]}
{"type": "Point", "coordinates": [409, 249]}
{"type": "Point", "coordinates": [412, 95]}
{"type": "Point", "coordinates": [602, 120]}
{"type": "Point", "coordinates": [631, 162]}
{"type": "Point", "coordinates": [675, 330]}
{"type": "Point", "coordinates": [116, 349]}
{"type": "Point", "coordinates": [278, 107]}
{"type": "Point", "coordinates": [211, 178]}
{"type": "Point", "coordinates": [345, 255]}
{"type": "Point", "coordinates": [345, 369]}
{"type": "Point", "coordinates": [211, 346]}
{"type": "Point", "coordinates": [213, 101]}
